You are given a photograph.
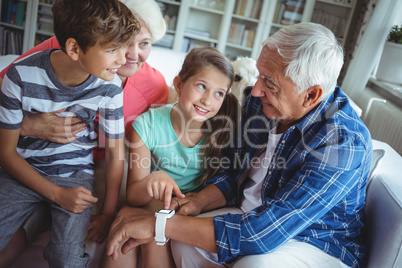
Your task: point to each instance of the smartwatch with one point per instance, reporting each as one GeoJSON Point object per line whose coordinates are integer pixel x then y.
{"type": "Point", "coordinates": [161, 216]}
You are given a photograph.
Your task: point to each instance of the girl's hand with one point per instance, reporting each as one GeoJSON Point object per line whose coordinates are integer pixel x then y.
{"type": "Point", "coordinates": [76, 199]}
{"type": "Point", "coordinates": [50, 127]}
{"type": "Point", "coordinates": [161, 186]}
{"type": "Point", "coordinates": [99, 227]}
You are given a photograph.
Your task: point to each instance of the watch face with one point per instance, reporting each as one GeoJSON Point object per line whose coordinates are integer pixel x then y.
{"type": "Point", "coordinates": [165, 211]}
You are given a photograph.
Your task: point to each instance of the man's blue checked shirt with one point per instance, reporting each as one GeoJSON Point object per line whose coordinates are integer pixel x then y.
{"type": "Point", "coordinates": [314, 190]}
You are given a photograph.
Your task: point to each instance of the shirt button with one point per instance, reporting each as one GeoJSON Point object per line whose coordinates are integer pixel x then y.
{"type": "Point", "coordinates": [283, 141]}
{"type": "Point", "coordinates": [270, 172]}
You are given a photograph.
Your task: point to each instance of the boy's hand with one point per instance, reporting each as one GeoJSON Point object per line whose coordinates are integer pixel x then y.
{"type": "Point", "coordinates": [99, 227]}
{"type": "Point", "coordinates": [76, 199]}
{"type": "Point", "coordinates": [160, 186]}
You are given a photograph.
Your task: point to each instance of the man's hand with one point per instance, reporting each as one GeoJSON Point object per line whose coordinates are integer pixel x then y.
{"type": "Point", "coordinates": [127, 232]}
{"type": "Point", "coordinates": [75, 199]}
{"type": "Point", "coordinates": [193, 204]}
{"type": "Point", "coordinates": [99, 227]}
{"type": "Point", "coordinates": [188, 206]}
{"type": "Point", "coordinates": [49, 126]}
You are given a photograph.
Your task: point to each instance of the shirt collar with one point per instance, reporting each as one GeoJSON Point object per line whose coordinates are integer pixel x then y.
{"type": "Point", "coordinates": [323, 111]}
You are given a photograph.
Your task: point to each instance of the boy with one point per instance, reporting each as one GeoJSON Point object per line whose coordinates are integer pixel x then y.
{"type": "Point", "coordinates": [93, 36]}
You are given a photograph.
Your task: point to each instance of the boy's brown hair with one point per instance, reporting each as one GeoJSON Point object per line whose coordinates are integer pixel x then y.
{"type": "Point", "coordinates": [108, 22]}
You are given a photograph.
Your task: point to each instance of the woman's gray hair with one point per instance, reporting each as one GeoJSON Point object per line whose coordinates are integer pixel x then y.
{"type": "Point", "coordinates": [150, 13]}
{"type": "Point", "coordinates": [312, 55]}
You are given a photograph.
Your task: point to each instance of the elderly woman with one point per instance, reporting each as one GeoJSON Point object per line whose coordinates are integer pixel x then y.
{"type": "Point", "coordinates": [143, 87]}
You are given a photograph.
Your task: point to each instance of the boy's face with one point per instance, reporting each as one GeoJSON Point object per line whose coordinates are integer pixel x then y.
{"type": "Point", "coordinates": [103, 62]}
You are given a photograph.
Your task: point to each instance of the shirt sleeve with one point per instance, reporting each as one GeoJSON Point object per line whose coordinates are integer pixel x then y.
{"type": "Point", "coordinates": [10, 101]}
{"type": "Point", "coordinates": [47, 44]}
{"type": "Point", "coordinates": [226, 183]}
{"type": "Point", "coordinates": [143, 125]}
{"type": "Point", "coordinates": [314, 188]}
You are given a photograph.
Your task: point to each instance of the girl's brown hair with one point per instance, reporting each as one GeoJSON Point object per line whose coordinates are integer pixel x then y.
{"type": "Point", "coordinates": [219, 141]}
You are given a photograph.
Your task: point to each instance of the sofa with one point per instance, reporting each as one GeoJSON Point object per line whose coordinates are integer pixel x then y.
{"type": "Point", "coordinates": [383, 230]}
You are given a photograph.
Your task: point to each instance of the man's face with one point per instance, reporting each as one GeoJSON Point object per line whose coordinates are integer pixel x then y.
{"type": "Point", "coordinates": [277, 92]}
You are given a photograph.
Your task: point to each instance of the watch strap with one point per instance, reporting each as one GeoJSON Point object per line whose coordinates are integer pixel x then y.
{"type": "Point", "coordinates": [160, 225]}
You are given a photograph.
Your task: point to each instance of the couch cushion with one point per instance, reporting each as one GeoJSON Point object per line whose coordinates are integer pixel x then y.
{"type": "Point", "coordinates": [378, 154]}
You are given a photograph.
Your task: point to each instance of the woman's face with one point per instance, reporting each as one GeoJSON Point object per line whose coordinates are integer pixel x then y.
{"type": "Point", "coordinates": [137, 53]}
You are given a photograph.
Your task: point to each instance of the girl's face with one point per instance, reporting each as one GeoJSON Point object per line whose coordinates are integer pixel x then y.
{"type": "Point", "coordinates": [137, 53]}
{"type": "Point", "coordinates": [202, 95]}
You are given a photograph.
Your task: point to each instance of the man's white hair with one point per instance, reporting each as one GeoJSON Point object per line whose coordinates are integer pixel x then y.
{"type": "Point", "coordinates": [312, 55]}
{"type": "Point", "coordinates": [150, 13]}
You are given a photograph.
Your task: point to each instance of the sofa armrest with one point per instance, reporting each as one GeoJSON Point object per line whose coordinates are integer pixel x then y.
{"type": "Point", "coordinates": [383, 230]}
{"type": "Point", "coordinates": [388, 170]}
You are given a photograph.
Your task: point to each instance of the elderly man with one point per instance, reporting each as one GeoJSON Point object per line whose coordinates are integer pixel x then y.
{"type": "Point", "coordinates": [294, 194]}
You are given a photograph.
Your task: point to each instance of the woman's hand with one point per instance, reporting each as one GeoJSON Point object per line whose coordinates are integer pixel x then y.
{"type": "Point", "coordinates": [161, 186]}
{"type": "Point", "coordinates": [49, 126]}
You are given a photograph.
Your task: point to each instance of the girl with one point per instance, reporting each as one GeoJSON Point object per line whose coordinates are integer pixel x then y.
{"type": "Point", "coordinates": [168, 145]}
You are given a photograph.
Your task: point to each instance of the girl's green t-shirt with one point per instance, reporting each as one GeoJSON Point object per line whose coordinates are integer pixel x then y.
{"type": "Point", "coordinates": [185, 165]}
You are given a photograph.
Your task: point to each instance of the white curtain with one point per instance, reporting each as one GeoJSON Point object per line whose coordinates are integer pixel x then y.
{"type": "Point", "coordinates": [369, 48]}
